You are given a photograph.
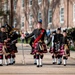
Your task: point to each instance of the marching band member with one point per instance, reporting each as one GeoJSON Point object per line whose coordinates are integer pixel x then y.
{"type": "Point", "coordinates": [39, 42]}
{"type": "Point", "coordinates": [14, 37]}
{"type": "Point", "coordinates": [57, 46]}
{"type": "Point", "coordinates": [3, 37]}
{"type": "Point", "coordinates": [65, 47]}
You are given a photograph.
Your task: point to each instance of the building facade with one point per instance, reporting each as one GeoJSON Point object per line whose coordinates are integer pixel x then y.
{"type": "Point", "coordinates": [54, 13]}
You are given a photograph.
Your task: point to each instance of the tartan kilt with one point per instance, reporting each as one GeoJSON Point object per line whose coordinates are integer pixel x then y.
{"type": "Point", "coordinates": [37, 48]}
{"type": "Point", "coordinates": [13, 48]}
{"type": "Point", "coordinates": [8, 50]}
{"type": "Point", "coordinates": [56, 48]}
{"type": "Point", "coordinates": [1, 47]}
{"type": "Point", "coordinates": [64, 51]}
{"type": "Point", "coordinates": [61, 51]}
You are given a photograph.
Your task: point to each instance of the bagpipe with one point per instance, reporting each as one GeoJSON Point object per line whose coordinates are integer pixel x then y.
{"type": "Point", "coordinates": [12, 36]}
{"type": "Point", "coordinates": [13, 33]}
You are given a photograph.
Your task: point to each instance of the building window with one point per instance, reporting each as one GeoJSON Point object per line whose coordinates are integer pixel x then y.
{"type": "Point", "coordinates": [22, 21]}
{"type": "Point", "coordinates": [39, 15]}
{"type": "Point", "coordinates": [5, 7]}
{"type": "Point", "coordinates": [61, 15]}
{"type": "Point", "coordinates": [50, 16]}
{"type": "Point", "coordinates": [39, 1]}
{"type": "Point", "coordinates": [30, 20]}
{"type": "Point", "coordinates": [15, 22]}
{"type": "Point", "coordinates": [73, 12]}
{"type": "Point", "coordinates": [22, 24]}
{"type": "Point", "coordinates": [30, 2]}
{"type": "Point", "coordinates": [23, 3]}
{"type": "Point", "coordinates": [15, 4]}
{"type": "Point", "coordinates": [49, 1]}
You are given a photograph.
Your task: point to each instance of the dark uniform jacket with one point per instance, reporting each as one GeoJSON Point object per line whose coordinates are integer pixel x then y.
{"type": "Point", "coordinates": [57, 41]}
{"type": "Point", "coordinates": [3, 36]}
{"type": "Point", "coordinates": [37, 32]}
{"type": "Point", "coordinates": [64, 40]}
{"type": "Point", "coordinates": [57, 38]}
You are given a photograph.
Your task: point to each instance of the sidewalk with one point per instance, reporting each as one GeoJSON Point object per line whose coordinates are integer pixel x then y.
{"type": "Point", "coordinates": [19, 44]}
{"type": "Point", "coordinates": [19, 68]}
{"type": "Point", "coordinates": [72, 54]}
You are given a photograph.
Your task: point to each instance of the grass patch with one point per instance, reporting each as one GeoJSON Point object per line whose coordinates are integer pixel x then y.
{"type": "Point", "coordinates": [72, 48]}
{"type": "Point", "coordinates": [19, 40]}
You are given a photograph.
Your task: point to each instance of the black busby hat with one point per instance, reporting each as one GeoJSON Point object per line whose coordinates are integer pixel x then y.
{"type": "Point", "coordinates": [64, 30]}
{"type": "Point", "coordinates": [59, 28]}
{"type": "Point", "coordinates": [54, 31]}
{"type": "Point", "coordinates": [2, 26]}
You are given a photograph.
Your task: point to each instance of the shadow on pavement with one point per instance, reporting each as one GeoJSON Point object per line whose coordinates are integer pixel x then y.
{"type": "Point", "coordinates": [31, 64]}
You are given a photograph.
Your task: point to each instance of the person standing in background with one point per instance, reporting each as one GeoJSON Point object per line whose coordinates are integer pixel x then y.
{"type": "Point", "coordinates": [48, 33]}
{"type": "Point", "coordinates": [22, 37]}
{"type": "Point", "coordinates": [26, 34]}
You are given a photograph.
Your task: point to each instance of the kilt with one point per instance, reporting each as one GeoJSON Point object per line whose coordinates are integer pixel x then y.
{"type": "Point", "coordinates": [64, 51]}
{"type": "Point", "coordinates": [1, 47]}
{"type": "Point", "coordinates": [54, 49]}
{"type": "Point", "coordinates": [61, 51]}
{"type": "Point", "coordinates": [13, 48]}
{"type": "Point", "coordinates": [40, 47]}
{"type": "Point", "coordinates": [8, 50]}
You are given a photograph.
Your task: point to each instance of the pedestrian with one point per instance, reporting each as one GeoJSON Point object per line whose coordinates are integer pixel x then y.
{"type": "Point", "coordinates": [48, 33]}
{"type": "Point", "coordinates": [22, 37]}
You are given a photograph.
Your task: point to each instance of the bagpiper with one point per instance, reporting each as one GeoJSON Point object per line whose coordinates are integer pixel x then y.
{"type": "Point", "coordinates": [3, 40]}
{"type": "Point", "coordinates": [57, 46]}
{"type": "Point", "coordinates": [39, 45]}
{"type": "Point", "coordinates": [65, 51]}
{"type": "Point", "coordinates": [14, 37]}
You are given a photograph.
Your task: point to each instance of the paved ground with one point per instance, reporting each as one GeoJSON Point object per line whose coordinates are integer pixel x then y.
{"type": "Point", "coordinates": [29, 69]}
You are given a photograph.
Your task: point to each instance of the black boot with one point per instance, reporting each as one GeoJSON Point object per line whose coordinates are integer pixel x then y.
{"type": "Point", "coordinates": [1, 65]}
{"type": "Point", "coordinates": [38, 66]}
